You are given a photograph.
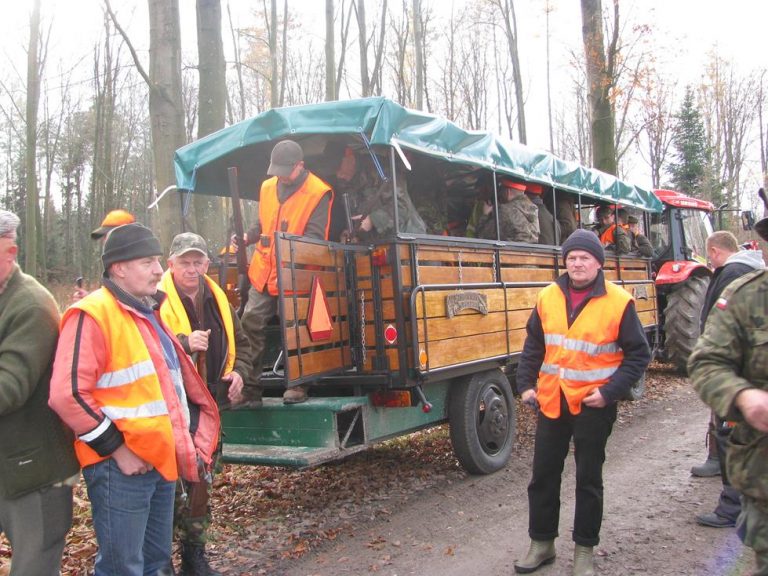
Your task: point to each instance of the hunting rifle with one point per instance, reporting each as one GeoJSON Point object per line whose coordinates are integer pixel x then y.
{"type": "Point", "coordinates": [243, 283]}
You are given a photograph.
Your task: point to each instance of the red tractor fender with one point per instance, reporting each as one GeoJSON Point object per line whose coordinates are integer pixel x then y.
{"type": "Point", "coordinates": [679, 271]}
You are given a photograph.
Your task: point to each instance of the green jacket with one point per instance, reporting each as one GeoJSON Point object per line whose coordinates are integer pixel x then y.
{"type": "Point", "coordinates": [36, 449]}
{"type": "Point", "coordinates": [731, 356]}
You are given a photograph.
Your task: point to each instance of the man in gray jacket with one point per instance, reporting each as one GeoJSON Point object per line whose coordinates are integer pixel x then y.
{"type": "Point", "coordinates": [40, 465]}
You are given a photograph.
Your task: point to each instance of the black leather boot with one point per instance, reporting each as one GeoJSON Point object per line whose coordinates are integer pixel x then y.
{"type": "Point", "coordinates": [194, 561]}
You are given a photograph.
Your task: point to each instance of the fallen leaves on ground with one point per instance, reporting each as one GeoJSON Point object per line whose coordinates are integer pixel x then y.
{"type": "Point", "coordinates": [263, 516]}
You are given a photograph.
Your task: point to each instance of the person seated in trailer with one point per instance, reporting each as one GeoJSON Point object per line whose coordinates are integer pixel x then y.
{"type": "Point", "coordinates": [547, 223]}
{"type": "Point", "coordinates": [612, 236]}
{"type": "Point", "coordinates": [638, 242]}
{"type": "Point", "coordinates": [374, 211]}
{"type": "Point", "coordinates": [429, 193]}
{"type": "Point", "coordinates": [338, 167]}
{"type": "Point", "coordinates": [518, 216]}
{"type": "Point", "coordinates": [563, 206]}
{"type": "Point", "coordinates": [482, 206]}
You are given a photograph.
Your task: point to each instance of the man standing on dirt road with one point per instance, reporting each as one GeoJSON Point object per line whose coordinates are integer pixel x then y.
{"type": "Point", "coordinates": [729, 264]}
{"type": "Point", "coordinates": [729, 369]}
{"type": "Point", "coordinates": [584, 349]}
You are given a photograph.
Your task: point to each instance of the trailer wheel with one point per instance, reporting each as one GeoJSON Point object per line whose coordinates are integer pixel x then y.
{"type": "Point", "coordinates": [681, 320]}
{"type": "Point", "coordinates": [481, 413]}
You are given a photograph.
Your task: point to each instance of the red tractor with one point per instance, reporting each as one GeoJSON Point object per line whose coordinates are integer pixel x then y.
{"type": "Point", "coordinates": [678, 235]}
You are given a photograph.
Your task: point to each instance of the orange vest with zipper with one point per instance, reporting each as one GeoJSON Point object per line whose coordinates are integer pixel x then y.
{"type": "Point", "coordinates": [291, 216]}
{"type": "Point", "coordinates": [581, 357]}
{"type": "Point", "coordinates": [174, 314]}
{"type": "Point", "coordinates": [609, 236]}
{"type": "Point", "coordinates": [130, 394]}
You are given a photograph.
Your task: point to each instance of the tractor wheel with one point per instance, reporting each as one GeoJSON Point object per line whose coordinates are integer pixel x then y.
{"type": "Point", "coordinates": [483, 424]}
{"type": "Point", "coordinates": [682, 318]}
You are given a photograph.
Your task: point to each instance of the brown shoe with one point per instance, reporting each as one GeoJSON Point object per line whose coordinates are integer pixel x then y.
{"type": "Point", "coordinates": [295, 395]}
{"type": "Point", "coordinates": [251, 398]}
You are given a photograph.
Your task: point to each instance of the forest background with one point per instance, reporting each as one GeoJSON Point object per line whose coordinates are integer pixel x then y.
{"type": "Point", "coordinates": [95, 97]}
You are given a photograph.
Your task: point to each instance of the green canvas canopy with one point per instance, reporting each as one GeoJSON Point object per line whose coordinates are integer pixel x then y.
{"type": "Point", "coordinates": [201, 166]}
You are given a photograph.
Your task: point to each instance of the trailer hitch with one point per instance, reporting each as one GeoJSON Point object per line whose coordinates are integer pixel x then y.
{"type": "Point", "coordinates": [426, 405]}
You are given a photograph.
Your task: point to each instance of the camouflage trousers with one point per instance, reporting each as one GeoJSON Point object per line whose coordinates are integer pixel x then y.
{"type": "Point", "coordinates": [191, 511]}
{"type": "Point", "coordinates": [259, 310]}
{"type": "Point", "coordinates": [752, 528]}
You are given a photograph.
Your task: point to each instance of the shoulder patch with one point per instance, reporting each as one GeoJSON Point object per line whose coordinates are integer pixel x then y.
{"type": "Point", "coordinates": [721, 303]}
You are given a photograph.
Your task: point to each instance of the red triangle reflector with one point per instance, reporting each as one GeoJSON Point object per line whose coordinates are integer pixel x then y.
{"type": "Point", "coordinates": [319, 322]}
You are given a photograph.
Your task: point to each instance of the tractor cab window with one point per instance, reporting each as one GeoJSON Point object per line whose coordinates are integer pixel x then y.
{"type": "Point", "coordinates": [659, 232]}
{"type": "Point", "coordinates": [696, 229]}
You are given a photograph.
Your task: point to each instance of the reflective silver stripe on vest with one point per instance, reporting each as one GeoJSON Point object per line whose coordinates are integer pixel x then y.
{"type": "Point", "coordinates": [96, 432]}
{"type": "Point", "coordinates": [578, 375]}
{"type": "Point", "coordinates": [155, 408]}
{"type": "Point", "coordinates": [126, 375]}
{"type": "Point", "coordinates": [580, 345]}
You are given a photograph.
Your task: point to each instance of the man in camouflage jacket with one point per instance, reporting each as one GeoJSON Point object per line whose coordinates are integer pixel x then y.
{"type": "Point", "coordinates": [729, 369]}
{"type": "Point", "coordinates": [518, 216]}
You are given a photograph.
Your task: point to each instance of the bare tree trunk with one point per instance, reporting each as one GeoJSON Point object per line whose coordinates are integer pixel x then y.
{"type": "Point", "coordinates": [165, 105]}
{"type": "Point", "coordinates": [602, 121]}
{"type": "Point", "coordinates": [238, 66]}
{"type": "Point", "coordinates": [362, 39]}
{"type": "Point", "coordinates": [548, 10]}
{"type": "Point", "coordinates": [418, 43]}
{"type": "Point", "coordinates": [507, 8]}
{"type": "Point", "coordinates": [273, 80]}
{"type": "Point", "coordinates": [212, 100]}
{"type": "Point", "coordinates": [34, 71]}
{"type": "Point", "coordinates": [330, 54]}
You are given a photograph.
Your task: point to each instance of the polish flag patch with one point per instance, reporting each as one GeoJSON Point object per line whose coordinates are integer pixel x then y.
{"type": "Point", "coordinates": [721, 303]}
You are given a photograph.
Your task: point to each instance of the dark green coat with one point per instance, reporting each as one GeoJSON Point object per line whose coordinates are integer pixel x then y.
{"type": "Point", "coordinates": [36, 449]}
{"type": "Point", "coordinates": [731, 356]}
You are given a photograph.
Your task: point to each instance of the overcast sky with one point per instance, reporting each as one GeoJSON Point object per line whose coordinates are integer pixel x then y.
{"type": "Point", "coordinates": [686, 29]}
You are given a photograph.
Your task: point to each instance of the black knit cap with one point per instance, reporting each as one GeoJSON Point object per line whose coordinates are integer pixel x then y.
{"type": "Point", "coordinates": [129, 242]}
{"type": "Point", "coordinates": [586, 240]}
{"type": "Point", "coordinates": [762, 228]}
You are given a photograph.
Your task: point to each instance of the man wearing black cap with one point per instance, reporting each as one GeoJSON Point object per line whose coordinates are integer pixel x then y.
{"type": "Point", "coordinates": [729, 369]}
{"type": "Point", "coordinates": [584, 349]}
{"type": "Point", "coordinates": [295, 201]}
{"type": "Point", "coordinates": [141, 414]}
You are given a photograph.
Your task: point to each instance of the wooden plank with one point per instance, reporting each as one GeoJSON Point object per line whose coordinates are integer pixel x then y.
{"type": "Point", "coordinates": [451, 274]}
{"type": "Point", "coordinates": [626, 275]}
{"type": "Point", "coordinates": [455, 255]}
{"type": "Point", "coordinates": [518, 258]}
{"type": "Point", "coordinates": [391, 353]}
{"type": "Point", "coordinates": [466, 325]}
{"type": "Point", "coordinates": [527, 275]}
{"type": "Point", "coordinates": [465, 349]}
{"type": "Point", "coordinates": [516, 339]}
{"type": "Point", "coordinates": [336, 305]}
{"type": "Point", "coordinates": [648, 318]}
{"type": "Point", "coordinates": [318, 362]}
{"type": "Point", "coordinates": [306, 253]}
{"type": "Point", "coordinates": [434, 302]}
{"type": "Point", "coordinates": [303, 279]}
{"type": "Point", "coordinates": [293, 342]}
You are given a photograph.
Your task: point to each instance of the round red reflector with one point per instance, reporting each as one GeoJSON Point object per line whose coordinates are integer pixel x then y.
{"type": "Point", "coordinates": [390, 334]}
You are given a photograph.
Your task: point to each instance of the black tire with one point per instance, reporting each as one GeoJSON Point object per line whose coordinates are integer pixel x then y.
{"type": "Point", "coordinates": [682, 317]}
{"type": "Point", "coordinates": [483, 423]}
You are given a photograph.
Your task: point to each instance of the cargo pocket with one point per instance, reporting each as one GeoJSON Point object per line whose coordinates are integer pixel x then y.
{"type": "Point", "coordinates": [24, 472]}
{"type": "Point", "coordinates": [747, 462]}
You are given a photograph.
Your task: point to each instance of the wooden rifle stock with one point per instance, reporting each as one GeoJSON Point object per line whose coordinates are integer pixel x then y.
{"type": "Point", "coordinates": [243, 283]}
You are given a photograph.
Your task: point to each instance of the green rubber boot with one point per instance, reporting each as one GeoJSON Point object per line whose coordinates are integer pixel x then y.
{"type": "Point", "coordinates": [583, 561]}
{"type": "Point", "coordinates": [540, 553]}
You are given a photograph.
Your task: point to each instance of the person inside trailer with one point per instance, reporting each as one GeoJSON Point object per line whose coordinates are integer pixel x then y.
{"type": "Point", "coordinates": [518, 217]}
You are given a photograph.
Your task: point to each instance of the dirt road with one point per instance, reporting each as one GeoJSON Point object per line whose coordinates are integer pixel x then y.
{"type": "Point", "coordinates": [478, 525]}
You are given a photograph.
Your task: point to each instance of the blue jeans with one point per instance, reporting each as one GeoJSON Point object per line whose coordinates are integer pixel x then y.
{"type": "Point", "coordinates": [132, 518]}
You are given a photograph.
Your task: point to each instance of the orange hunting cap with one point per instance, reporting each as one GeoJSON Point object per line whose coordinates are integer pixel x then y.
{"type": "Point", "coordinates": [535, 188]}
{"type": "Point", "coordinates": [507, 183]}
{"type": "Point", "coordinates": [113, 219]}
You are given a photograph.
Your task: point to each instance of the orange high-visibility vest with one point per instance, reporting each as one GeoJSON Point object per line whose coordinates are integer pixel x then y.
{"type": "Point", "coordinates": [129, 392]}
{"type": "Point", "coordinates": [581, 357]}
{"type": "Point", "coordinates": [609, 236]}
{"type": "Point", "coordinates": [174, 314]}
{"type": "Point", "coordinates": [291, 216]}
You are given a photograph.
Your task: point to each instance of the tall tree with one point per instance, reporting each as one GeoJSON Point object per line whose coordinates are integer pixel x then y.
{"type": "Point", "coordinates": [212, 99]}
{"type": "Point", "coordinates": [507, 11]}
{"type": "Point", "coordinates": [330, 52]}
{"type": "Point", "coordinates": [691, 155]}
{"type": "Point", "coordinates": [165, 104]}
{"type": "Point", "coordinates": [418, 45]}
{"type": "Point", "coordinates": [34, 72]}
{"type": "Point", "coordinates": [600, 75]}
